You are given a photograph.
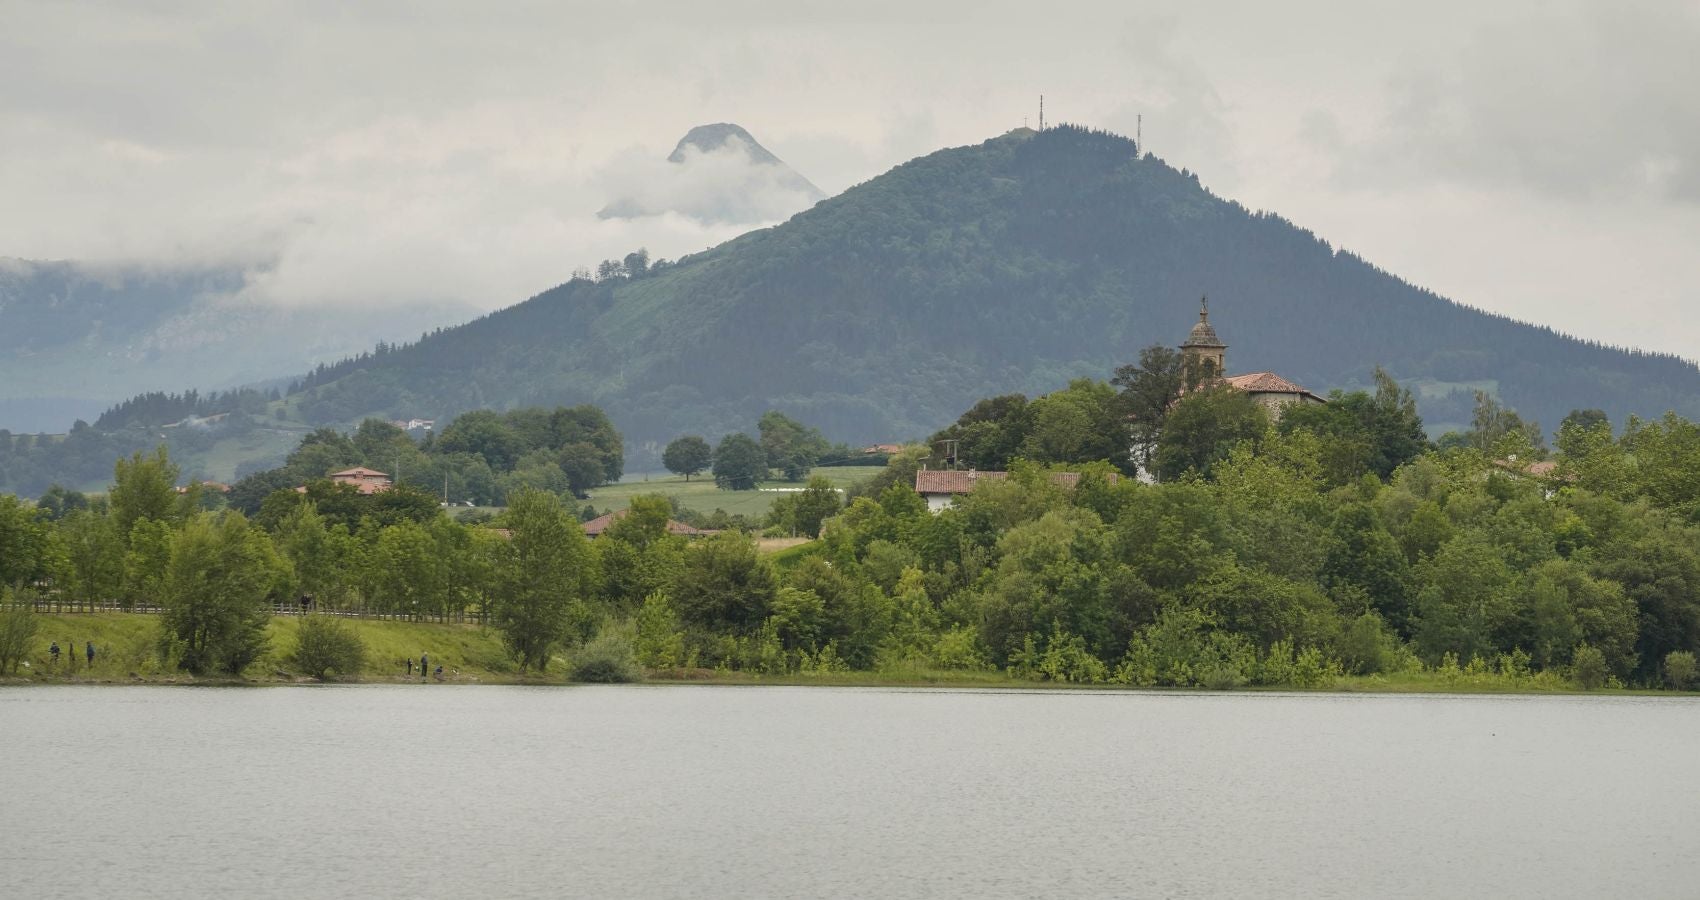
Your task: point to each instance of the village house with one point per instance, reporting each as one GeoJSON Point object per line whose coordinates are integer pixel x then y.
{"type": "Point", "coordinates": [941, 487]}
{"type": "Point", "coordinates": [364, 480]}
{"type": "Point", "coordinates": [596, 526]}
{"type": "Point", "coordinates": [217, 487]}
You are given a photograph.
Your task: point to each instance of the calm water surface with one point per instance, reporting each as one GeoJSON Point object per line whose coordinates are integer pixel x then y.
{"type": "Point", "coordinates": [471, 792]}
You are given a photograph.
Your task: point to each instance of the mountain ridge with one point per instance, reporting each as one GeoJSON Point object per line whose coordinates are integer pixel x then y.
{"type": "Point", "coordinates": [1011, 265]}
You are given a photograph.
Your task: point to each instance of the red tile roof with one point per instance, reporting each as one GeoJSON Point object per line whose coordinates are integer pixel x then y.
{"type": "Point", "coordinates": [360, 472]}
{"type": "Point", "coordinates": [961, 481]}
{"type": "Point", "coordinates": [1265, 383]}
{"type": "Point", "coordinates": [600, 524]}
{"type": "Point", "coordinates": [952, 481]}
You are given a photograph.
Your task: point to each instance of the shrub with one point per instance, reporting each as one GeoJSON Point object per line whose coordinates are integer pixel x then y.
{"type": "Point", "coordinates": [17, 630]}
{"type": "Point", "coordinates": [1313, 670]}
{"type": "Point", "coordinates": [1588, 668]}
{"type": "Point", "coordinates": [660, 644]}
{"type": "Point", "coordinates": [959, 648]}
{"type": "Point", "coordinates": [326, 644]}
{"type": "Point", "coordinates": [1679, 669]}
{"type": "Point", "coordinates": [608, 659]}
{"type": "Point", "coordinates": [1222, 677]}
{"type": "Point", "coordinates": [1367, 646]}
{"type": "Point", "coordinates": [1065, 659]}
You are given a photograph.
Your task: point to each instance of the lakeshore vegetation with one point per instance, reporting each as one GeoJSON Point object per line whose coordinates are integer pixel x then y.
{"type": "Point", "coordinates": [1335, 546]}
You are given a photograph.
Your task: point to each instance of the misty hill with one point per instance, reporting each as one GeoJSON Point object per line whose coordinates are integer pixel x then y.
{"type": "Point", "coordinates": [718, 173]}
{"type": "Point", "coordinates": [1013, 265]}
{"type": "Point", "coordinates": [76, 338]}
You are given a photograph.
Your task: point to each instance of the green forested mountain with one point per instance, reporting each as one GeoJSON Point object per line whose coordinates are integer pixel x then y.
{"type": "Point", "coordinates": [1008, 266]}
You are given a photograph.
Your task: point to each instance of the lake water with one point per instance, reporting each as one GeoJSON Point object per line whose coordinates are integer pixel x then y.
{"type": "Point", "coordinates": [693, 791]}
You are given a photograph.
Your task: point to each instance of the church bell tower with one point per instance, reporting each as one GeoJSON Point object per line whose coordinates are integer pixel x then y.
{"type": "Point", "coordinates": [1203, 351]}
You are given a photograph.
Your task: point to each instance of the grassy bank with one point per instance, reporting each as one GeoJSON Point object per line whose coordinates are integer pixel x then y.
{"type": "Point", "coordinates": [701, 495]}
{"type": "Point", "coordinates": [125, 653]}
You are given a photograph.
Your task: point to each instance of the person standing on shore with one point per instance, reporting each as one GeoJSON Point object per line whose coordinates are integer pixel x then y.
{"type": "Point", "coordinates": [91, 654]}
{"type": "Point", "coordinates": [410, 667]}
{"type": "Point", "coordinates": [424, 665]}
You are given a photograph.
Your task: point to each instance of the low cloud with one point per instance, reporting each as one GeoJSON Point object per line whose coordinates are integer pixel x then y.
{"type": "Point", "coordinates": [724, 186]}
{"type": "Point", "coordinates": [1596, 102]}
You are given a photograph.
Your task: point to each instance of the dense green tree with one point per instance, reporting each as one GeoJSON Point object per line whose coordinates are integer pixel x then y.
{"type": "Point", "coordinates": [791, 447]}
{"type": "Point", "coordinates": [1082, 423]}
{"type": "Point", "coordinates": [484, 433]}
{"type": "Point", "coordinates": [1203, 428]}
{"type": "Point", "coordinates": [543, 575]}
{"type": "Point", "coordinates": [739, 462]}
{"type": "Point", "coordinates": [1491, 422]}
{"type": "Point", "coordinates": [1149, 389]}
{"type": "Point", "coordinates": [94, 555]}
{"type": "Point", "coordinates": [687, 456]}
{"type": "Point", "coordinates": [380, 443]}
{"type": "Point", "coordinates": [147, 562]}
{"type": "Point", "coordinates": [1466, 603]}
{"type": "Point", "coordinates": [581, 463]}
{"type": "Point", "coordinates": [724, 584]}
{"type": "Point", "coordinates": [320, 453]}
{"type": "Point", "coordinates": [586, 424]}
{"type": "Point", "coordinates": [145, 487]}
{"type": "Point", "coordinates": [1362, 432]}
{"type": "Point", "coordinates": [218, 593]}
{"type": "Point", "coordinates": [404, 574]}
{"type": "Point", "coordinates": [803, 512]}
{"type": "Point", "coordinates": [28, 552]}
{"type": "Point", "coordinates": [60, 501]}
{"type": "Point", "coordinates": [985, 437]}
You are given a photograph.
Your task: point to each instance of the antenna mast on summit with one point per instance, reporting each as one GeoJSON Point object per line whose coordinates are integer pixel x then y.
{"type": "Point", "coordinates": [1041, 112]}
{"type": "Point", "coordinates": [1139, 133]}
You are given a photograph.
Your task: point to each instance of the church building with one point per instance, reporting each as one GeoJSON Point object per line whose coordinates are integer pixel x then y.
{"type": "Point", "coordinates": [1205, 351]}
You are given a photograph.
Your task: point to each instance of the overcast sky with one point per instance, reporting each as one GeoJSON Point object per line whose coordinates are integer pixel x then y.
{"type": "Point", "coordinates": [1540, 159]}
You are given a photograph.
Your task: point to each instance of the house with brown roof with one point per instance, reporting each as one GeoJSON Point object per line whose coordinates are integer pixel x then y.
{"type": "Point", "coordinates": [596, 526]}
{"type": "Point", "coordinates": [941, 487]}
{"type": "Point", "coordinates": [1205, 352]}
{"type": "Point", "coordinates": [364, 480]}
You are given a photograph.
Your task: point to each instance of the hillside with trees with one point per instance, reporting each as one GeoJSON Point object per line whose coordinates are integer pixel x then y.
{"type": "Point", "coordinates": [1010, 266]}
{"type": "Point", "coordinates": [78, 337]}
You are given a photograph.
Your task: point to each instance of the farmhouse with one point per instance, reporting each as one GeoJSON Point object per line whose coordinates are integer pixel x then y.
{"type": "Point", "coordinates": [364, 480]}
{"type": "Point", "coordinates": [596, 526]}
{"type": "Point", "coordinates": [941, 487]}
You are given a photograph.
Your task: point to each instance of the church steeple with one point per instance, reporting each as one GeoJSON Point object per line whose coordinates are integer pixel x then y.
{"type": "Point", "coordinates": [1203, 346]}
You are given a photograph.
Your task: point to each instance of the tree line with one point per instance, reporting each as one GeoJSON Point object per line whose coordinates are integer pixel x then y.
{"type": "Point", "coordinates": [1320, 546]}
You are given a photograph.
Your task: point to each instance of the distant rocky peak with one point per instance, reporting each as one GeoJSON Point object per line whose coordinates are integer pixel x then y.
{"type": "Point", "coordinates": [718, 174]}
{"type": "Point", "coordinates": [710, 138]}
